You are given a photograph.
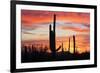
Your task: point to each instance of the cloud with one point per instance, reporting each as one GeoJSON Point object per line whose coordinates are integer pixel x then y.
{"type": "Point", "coordinates": [76, 29]}
{"type": "Point", "coordinates": [27, 32]}
{"type": "Point", "coordinates": [73, 27]}
{"type": "Point", "coordinates": [30, 17]}
{"type": "Point", "coordinates": [36, 26]}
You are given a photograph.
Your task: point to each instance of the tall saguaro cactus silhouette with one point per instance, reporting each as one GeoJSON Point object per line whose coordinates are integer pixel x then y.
{"type": "Point", "coordinates": [69, 46]}
{"type": "Point", "coordinates": [74, 43]}
{"type": "Point", "coordinates": [62, 48]}
{"type": "Point", "coordinates": [52, 37]}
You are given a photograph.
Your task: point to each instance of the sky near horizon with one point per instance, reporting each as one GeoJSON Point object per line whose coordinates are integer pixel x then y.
{"type": "Point", "coordinates": [35, 27]}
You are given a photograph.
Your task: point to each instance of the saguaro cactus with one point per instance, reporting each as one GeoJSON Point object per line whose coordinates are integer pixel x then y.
{"type": "Point", "coordinates": [62, 48]}
{"type": "Point", "coordinates": [74, 44]}
{"type": "Point", "coordinates": [69, 46]}
{"type": "Point", "coordinates": [52, 37]}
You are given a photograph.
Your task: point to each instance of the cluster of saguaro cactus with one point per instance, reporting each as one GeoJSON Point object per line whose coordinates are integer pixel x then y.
{"type": "Point", "coordinates": [74, 44]}
{"type": "Point", "coordinates": [52, 39]}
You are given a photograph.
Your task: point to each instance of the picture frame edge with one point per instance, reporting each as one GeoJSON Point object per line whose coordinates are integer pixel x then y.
{"type": "Point", "coordinates": [13, 37]}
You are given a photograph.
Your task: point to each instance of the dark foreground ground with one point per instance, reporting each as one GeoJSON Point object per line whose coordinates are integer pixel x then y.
{"type": "Point", "coordinates": [44, 56]}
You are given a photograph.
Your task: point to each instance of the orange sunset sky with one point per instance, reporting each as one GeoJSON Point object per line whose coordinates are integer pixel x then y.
{"type": "Point", "coordinates": [35, 28]}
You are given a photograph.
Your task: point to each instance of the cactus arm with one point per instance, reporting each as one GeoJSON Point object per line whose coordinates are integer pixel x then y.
{"type": "Point", "coordinates": [58, 48]}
